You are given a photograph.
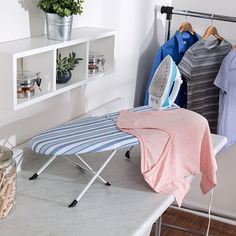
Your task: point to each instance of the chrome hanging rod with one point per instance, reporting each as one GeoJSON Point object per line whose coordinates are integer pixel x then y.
{"type": "Point", "coordinates": [211, 16]}
{"type": "Point", "coordinates": [169, 11]}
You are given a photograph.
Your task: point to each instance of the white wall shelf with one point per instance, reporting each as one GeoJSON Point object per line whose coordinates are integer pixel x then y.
{"type": "Point", "coordinates": [38, 54]}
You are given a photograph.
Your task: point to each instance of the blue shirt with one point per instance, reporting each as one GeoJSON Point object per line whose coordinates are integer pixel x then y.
{"type": "Point", "coordinates": [176, 46]}
{"type": "Point", "coordinates": [226, 81]}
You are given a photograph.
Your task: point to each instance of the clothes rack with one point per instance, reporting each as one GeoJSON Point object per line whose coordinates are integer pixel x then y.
{"type": "Point", "coordinates": [169, 11]}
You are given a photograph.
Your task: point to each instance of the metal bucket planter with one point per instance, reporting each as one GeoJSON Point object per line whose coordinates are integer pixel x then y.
{"type": "Point", "coordinates": [58, 28]}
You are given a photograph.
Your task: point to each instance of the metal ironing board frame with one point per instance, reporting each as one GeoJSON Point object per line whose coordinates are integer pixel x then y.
{"type": "Point", "coordinates": [81, 168]}
{"type": "Point", "coordinates": [86, 167]}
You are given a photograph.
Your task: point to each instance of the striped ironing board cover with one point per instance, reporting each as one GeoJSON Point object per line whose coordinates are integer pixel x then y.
{"type": "Point", "coordinates": [93, 134]}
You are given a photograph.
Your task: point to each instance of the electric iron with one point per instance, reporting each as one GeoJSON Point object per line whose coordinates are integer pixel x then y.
{"type": "Point", "coordinates": [166, 76]}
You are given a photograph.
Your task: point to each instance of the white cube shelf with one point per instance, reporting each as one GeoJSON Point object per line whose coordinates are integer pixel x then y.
{"type": "Point", "coordinates": [38, 54]}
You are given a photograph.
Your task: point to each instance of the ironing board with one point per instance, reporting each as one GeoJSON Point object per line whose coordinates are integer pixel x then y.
{"type": "Point", "coordinates": [93, 134]}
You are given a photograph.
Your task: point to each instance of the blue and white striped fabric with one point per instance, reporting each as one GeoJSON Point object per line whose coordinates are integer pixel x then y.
{"type": "Point", "coordinates": [94, 134]}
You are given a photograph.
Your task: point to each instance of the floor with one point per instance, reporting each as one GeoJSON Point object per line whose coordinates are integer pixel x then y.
{"type": "Point", "coordinates": [192, 222]}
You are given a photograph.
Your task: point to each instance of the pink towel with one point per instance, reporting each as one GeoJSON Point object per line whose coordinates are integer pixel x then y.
{"type": "Point", "coordinates": [174, 145]}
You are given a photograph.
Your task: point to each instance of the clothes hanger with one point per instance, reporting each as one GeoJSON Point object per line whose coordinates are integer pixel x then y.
{"type": "Point", "coordinates": [186, 26]}
{"type": "Point", "coordinates": [211, 30]}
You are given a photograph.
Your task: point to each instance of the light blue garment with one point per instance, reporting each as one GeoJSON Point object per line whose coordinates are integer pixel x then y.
{"type": "Point", "coordinates": [226, 81]}
{"type": "Point", "coordinates": [176, 46]}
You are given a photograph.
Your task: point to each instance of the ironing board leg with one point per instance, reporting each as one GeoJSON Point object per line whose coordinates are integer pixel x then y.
{"type": "Point", "coordinates": [93, 179]}
{"type": "Point", "coordinates": [35, 175]}
{"type": "Point", "coordinates": [92, 171]}
{"type": "Point", "coordinates": [127, 154]}
{"type": "Point", "coordinates": [158, 226]}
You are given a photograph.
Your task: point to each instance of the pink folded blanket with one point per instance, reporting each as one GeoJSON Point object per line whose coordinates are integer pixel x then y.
{"type": "Point", "coordinates": [174, 144]}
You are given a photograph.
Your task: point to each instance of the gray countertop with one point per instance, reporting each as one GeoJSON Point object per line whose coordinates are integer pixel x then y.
{"type": "Point", "coordinates": [128, 207]}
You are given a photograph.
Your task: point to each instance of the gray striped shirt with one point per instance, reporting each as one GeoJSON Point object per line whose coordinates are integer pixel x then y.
{"type": "Point", "coordinates": [200, 66]}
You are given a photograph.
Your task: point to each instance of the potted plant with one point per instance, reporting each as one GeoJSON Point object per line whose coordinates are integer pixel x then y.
{"type": "Point", "coordinates": [59, 17]}
{"type": "Point", "coordinates": [65, 65]}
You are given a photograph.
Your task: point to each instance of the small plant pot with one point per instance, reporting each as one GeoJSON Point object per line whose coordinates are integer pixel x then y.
{"type": "Point", "coordinates": [63, 77]}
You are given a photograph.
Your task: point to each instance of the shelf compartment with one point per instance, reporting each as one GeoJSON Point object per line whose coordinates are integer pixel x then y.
{"type": "Point", "coordinates": [80, 71]}
{"type": "Point", "coordinates": [106, 47]}
{"type": "Point", "coordinates": [43, 63]}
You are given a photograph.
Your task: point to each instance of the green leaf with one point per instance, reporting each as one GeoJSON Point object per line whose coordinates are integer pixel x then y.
{"type": "Point", "coordinates": [62, 7]}
{"type": "Point", "coordinates": [67, 12]}
{"type": "Point", "coordinates": [67, 63]}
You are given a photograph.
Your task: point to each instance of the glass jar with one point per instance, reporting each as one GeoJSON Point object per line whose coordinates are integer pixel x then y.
{"type": "Point", "coordinates": [92, 67]}
{"type": "Point", "coordinates": [26, 84]}
{"type": "Point", "coordinates": [96, 63]}
{"type": "Point", "coordinates": [7, 182]}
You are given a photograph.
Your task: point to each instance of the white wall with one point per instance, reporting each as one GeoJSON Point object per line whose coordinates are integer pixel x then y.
{"type": "Point", "coordinates": [225, 192]}
{"type": "Point", "coordinates": [134, 22]}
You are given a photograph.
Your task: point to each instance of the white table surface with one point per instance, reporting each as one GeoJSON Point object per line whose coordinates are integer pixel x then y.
{"type": "Point", "coordinates": [128, 207]}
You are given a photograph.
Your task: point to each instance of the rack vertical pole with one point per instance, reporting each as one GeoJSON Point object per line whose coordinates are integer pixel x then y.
{"type": "Point", "coordinates": [168, 11]}
{"type": "Point", "coordinates": [167, 30]}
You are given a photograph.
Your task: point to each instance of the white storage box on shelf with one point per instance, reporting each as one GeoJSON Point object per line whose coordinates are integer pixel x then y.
{"type": "Point", "coordinates": [38, 54]}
